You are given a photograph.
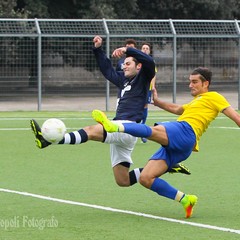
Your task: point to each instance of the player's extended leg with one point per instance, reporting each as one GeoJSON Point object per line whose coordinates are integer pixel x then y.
{"type": "Point", "coordinates": [135, 129]}
{"type": "Point", "coordinates": [121, 172]}
{"type": "Point", "coordinates": [149, 178]}
{"type": "Point", "coordinates": [40, 141]}
{"type": "Point", "coordinates": [76, 137]}
{"type": "Point", "coordinates": [94, 132]}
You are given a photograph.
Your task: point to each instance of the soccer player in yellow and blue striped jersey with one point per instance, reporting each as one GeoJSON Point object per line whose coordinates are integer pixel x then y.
{"type": "Point", "coordinates": [177, 138]}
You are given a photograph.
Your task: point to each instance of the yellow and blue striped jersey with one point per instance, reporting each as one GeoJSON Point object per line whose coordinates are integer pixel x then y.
{"type": "Point", "coordinates": [202, 110]}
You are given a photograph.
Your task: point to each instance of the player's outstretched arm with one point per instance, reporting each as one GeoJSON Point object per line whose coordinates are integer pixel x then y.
{"type": "Point", "coordinates": [232, 114]}
{"type": "Point", "coordinates": [170, 107]}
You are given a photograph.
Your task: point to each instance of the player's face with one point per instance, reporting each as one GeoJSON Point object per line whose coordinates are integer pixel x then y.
{"type": "Point", "coordinates": [197, 86]}
{"type": "Point", "coordinates": [130, 68]}
{"type": "Point", "coordinates": [146, 49]}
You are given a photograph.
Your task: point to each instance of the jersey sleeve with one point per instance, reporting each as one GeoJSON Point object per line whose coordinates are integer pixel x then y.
{"type": "Point", "coordinates": [220, 102]}
{"type": "Point", "coordinates": [148, 65]}
{"type": "Point", "coordinates": [107, 69]}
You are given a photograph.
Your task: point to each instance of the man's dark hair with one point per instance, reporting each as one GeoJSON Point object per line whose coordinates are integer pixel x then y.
{"type": "Point", "coordinates": [148, 44]}
{"type": "Point", "coordinates": [206, 74]}
{"type": "Point", "coordinates": [130, 41]}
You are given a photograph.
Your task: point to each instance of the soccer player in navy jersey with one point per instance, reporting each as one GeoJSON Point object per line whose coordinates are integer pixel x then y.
{"type": "Point", "coordinates": [134, 80]}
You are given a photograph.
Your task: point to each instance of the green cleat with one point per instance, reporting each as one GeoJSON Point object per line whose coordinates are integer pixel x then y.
{"type": "Point", "coordinates": [101, 118]}
{"type": "Point", "coordinates": [179, 168]}
{"type": "Point", "coordinates": [40, 141]}
{"type": "Point", "coordinates": [188, 203]}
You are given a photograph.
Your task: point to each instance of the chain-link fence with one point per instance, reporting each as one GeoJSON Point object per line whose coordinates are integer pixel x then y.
{"type": "Point", "coordinates": [42, 59]}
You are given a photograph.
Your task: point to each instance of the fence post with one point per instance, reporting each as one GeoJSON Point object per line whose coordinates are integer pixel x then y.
{"type": "Point", "coordinates": [39, 63]}
{"type": "Point", "coordinates": [174, 61]}
{"type": "Point", "coordinates": [108, 54]}
{"type": "Point", "coordinates": [238, 30]}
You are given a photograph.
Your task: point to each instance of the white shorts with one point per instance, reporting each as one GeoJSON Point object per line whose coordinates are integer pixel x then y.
{"type": "Point", "coordinates": [121, 146]}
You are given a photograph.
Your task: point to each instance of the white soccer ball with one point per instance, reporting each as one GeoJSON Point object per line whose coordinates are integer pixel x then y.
{"type": "Point", "coordinates": [53, 130]}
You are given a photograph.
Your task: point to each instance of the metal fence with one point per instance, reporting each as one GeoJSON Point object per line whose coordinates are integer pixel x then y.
{"type": "Point", "coordinates": [42, 59]}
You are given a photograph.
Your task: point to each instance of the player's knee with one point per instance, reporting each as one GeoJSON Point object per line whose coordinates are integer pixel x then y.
{"type": "Point", "coordinates": [145, 180]}
{"type": "Point", "coordinates": [94, 132]}
{"type": "Point", "coordinates": [122, 182]}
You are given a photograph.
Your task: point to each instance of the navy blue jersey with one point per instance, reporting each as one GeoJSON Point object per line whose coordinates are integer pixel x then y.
{"type": "Point", "coordinates": [119, 67]}
{"type": "Point", "coordinates": [134, 91]}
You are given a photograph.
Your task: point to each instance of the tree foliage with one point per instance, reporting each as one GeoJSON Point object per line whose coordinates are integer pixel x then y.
{"type": "Point", "coordinates": [189, 9]}
{"type": "Point", "coordinates": [121, 9]}
{"type": "Point", "coordinates": [9, 9]}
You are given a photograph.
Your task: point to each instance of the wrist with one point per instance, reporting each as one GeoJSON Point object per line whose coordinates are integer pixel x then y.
{"type": "Point", "coordinates": [124, 49]}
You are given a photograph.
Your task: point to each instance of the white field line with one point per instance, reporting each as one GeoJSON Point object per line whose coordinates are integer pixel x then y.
{"type": "Point", "coordinates": [200, 225]}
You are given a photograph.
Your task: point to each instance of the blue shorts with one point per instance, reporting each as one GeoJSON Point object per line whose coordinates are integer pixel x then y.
{"type": "Point", "coordinates": [181, 140]}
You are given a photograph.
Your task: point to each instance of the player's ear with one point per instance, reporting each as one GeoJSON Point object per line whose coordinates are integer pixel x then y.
{"type": "Point", "coordinates": [139, 66]}
{"type": "Point", "coordinates": [206, 83]}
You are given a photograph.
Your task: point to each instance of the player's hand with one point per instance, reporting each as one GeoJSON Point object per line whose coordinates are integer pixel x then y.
{"type": "Point", "coordinates": [97, 40]}
{"type": "Point", "coordinates": [119, 52]}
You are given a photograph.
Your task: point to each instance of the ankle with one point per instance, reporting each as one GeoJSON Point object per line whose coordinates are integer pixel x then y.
{"type": "Point", "coordinates": [120, 127]}
{"type": "Point", "coordinates": [179, 196]}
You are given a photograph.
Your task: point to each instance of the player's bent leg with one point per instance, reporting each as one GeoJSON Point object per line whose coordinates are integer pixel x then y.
{"type": "Point", "coordinates": [179, 168]}
{"type": "Point", "coordinates": [150, 179]}
{"type": "Point", "coordinates": [40, 141]}
{"type": "Point", "coordinates": [153, 170]}
{"type": "Point", "coordinates": [134, 175]}
{"type": "Point", "coordinates": [121, 174]}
